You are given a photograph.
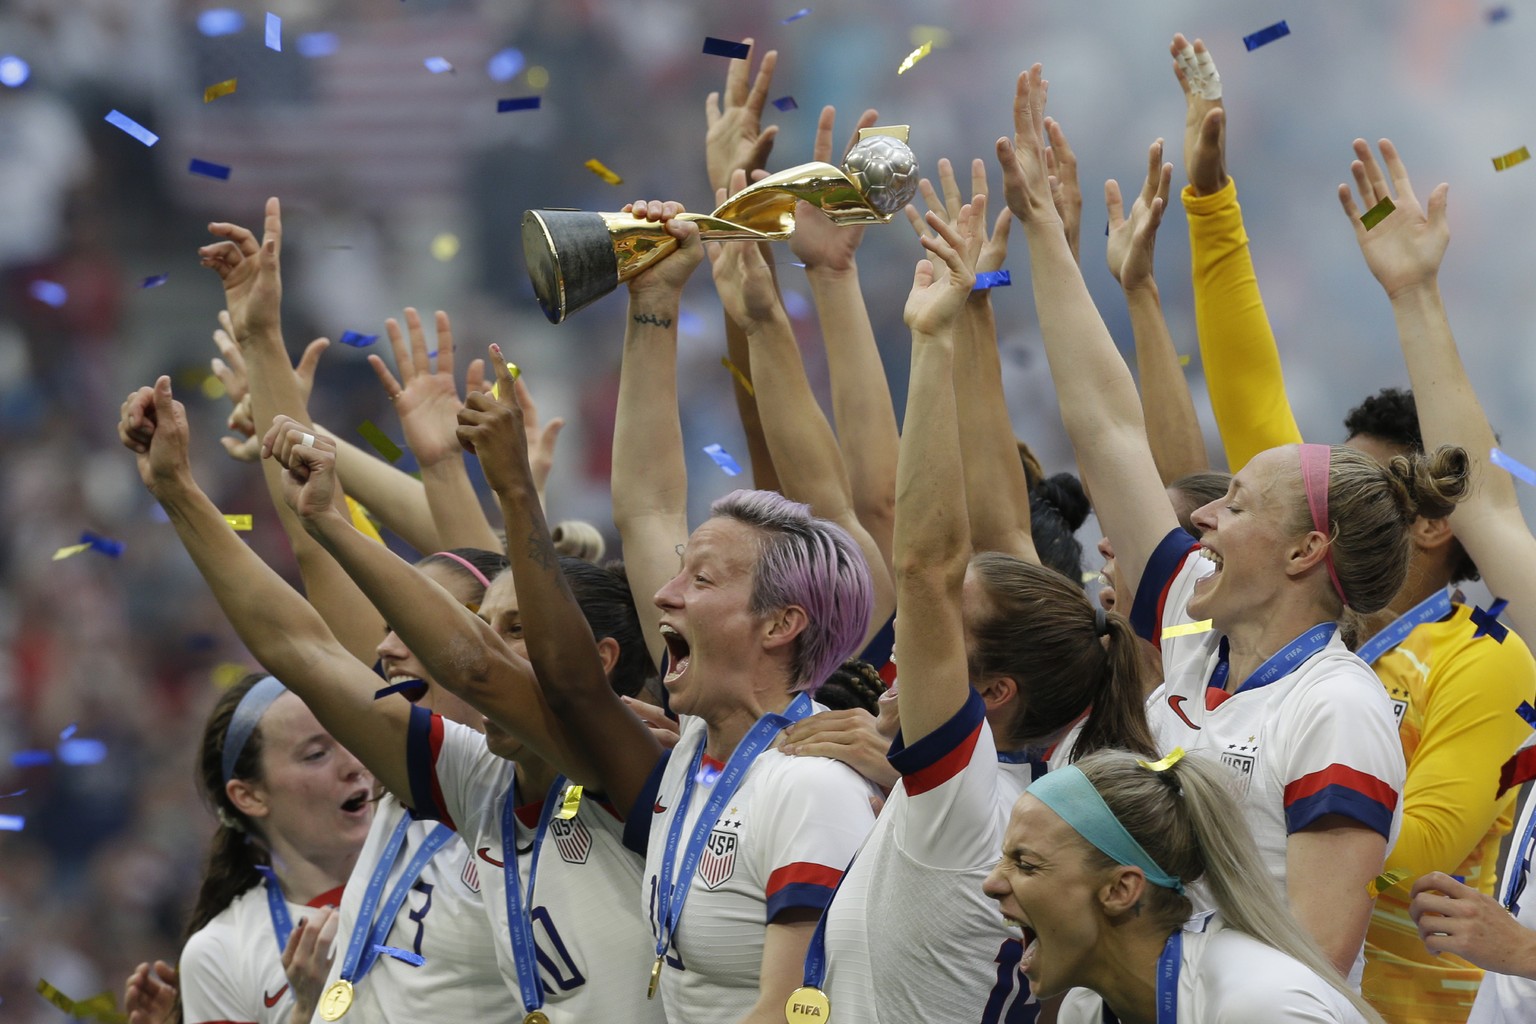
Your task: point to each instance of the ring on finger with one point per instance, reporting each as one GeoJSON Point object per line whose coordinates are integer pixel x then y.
{"type": "Point", "coordinates": [307, 439]}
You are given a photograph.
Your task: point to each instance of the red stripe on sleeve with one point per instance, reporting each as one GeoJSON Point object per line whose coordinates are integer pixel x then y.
{"type": "Point", "coordinates": [1518, 770]}
{"type": "Point", "coordinates": [435, 739]}
{"type": "Point", "coordinates": [803, 873]}
{"type": "Point", "coordinates": [946, 767]}
{"type": "Point", "coordinates": [1341, 775]}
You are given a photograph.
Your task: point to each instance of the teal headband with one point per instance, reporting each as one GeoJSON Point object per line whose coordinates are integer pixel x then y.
{"type": "Point", "coordinates": [245, 719]}
{"type": "Point", "coordinates": [1068, 792]}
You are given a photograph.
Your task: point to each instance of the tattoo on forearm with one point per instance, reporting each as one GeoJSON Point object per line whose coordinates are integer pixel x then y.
{"type": "Point", "coordinates": [652, 318]}
{"type": "Point", "coordinates": [541, 550]}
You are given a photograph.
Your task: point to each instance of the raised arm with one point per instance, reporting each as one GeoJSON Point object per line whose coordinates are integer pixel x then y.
{"type": "Point", "coordinates": [274, 622]}
{"type": "Point", "coordinates": [996, 486]}
{"type": "Point", "coordinates": [804, 448]}
{"type": "Point", "coordinates": [933, 544]}
{"type": "Point", "coordinates": [1099, 406]}
{"type": "Point", "coordinates": [1173, 430]}
{"type": "Point", "coordinates": [861, 396]}
{"type": "Point", "coordinates": [427, 401]}
{"type": "Point", "coordinates": [1237, 345]}
{"type": "Point", "coordinates": [253, 290]}
{"type": "Point", "coordinates": [1404, 252]}
{"type": "Point", "coordinates": [650, 479]}
{"type": "Point", "coordinates": [620, 747]}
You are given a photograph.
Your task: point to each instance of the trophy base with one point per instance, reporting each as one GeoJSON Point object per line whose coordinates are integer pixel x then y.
{"type": "Point", "coordinates": [570, 258]}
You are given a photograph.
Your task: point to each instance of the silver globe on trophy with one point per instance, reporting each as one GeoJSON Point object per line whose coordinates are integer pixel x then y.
{"type": "Point", "coordinates": [575, 257]}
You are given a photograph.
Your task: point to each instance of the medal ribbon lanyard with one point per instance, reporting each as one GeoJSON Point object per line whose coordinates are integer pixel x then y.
{"type": "Point", "coordinates": [277, 906]}
{"type": "Point", "coordinates": [1280, 664]}
{"type": "Point", "coordinates": [519, 923]}
{"type": "Point", "coordinates": [672, 889]}
{"type": "Point", "coordinates": [1520, 868]}
{"type": "Point", "coordinates": [1168, 967]}
{"type": "Point", "coordinates": [1435, 606]}
{"type": "Point", "coordinates": [368, 932]}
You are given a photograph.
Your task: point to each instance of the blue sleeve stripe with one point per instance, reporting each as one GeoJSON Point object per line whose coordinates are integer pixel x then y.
{"type": "Point", "coordinates": [1164, 564]}
{"type": "Point", "coordinates": [799, 895]}
{"type": "Point", "coordinates": [637, 825]}
{"type": "Point", "coordinates": [878, 651]}
{"type": "Point", "coordinates": [1340, 800]}
{"type": "Point", "coordinates": [420, 767]}
{"type": "Point", "coordinates": [940, 743]}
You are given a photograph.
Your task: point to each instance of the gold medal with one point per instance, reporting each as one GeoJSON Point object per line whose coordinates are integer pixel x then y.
{"type": "Point", "coordinates": [336, 1000]}
{"type": "Point", "coordinates": [650, 991]}
{"type": "Point", "coordinates": [808, 1005]}
{"type": "Point", "coordinates": [536, 1017]}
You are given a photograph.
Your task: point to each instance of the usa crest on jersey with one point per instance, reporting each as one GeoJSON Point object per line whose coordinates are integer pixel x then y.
{"type": "Point", "coordinates": [719, 860]}
{"type": "Point", "coordinates": [1241, 759]}
{"type": "Point", "coordinates": [572, 840]}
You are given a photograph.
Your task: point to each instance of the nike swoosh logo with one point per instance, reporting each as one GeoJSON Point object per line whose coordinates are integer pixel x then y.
{"type": "Point", "coordinates": [1174, 702]}
{"type": "Point", "coordinates": [485, 855]}
{"type": "Point", "coordinates": [271, 1001]}
{"type": "Point", "coordinates": [657, 808]}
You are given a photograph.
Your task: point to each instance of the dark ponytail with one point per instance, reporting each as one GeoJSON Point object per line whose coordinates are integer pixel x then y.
{"type": "Point", "coordinates": [237, 849]}
{"type": "Point", "coordinates": [1039, 629]}
{"type": "Point", "coordinates": [1057, 508]}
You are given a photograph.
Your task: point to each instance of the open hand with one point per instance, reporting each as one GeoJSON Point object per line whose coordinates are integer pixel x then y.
{"type": "Point", "coordinates": [735, 140]}
{"type": "Point", "coordinates": [492, 427]}
{"type": "Point", "coordinates": [253, 283]}
{"type": "Point", "coordinates": [1026, 181]}
{"type": "Point", "coordinates": [541, 437]}
{"type": "Point", "coordinates": [817, 242]}
{"type": "Point", "coordinates": [983, 253]}
{"type": "Point", "coordinates": [1205, 120]}
{"type": "Point", "coordinates": [307, 959]}
{"type": "Point", "coordinates": [153, 425]}
{"type": "Point", "coordinates": [1061, 167]}
{"type": "Point", "coordinates": [229, 368]}
{"type": "Point", "coordinates": [1456, 918]}
{"type": "Point", "coordinates": [309, 465]}
{"type": "Point", "coordinates": [1132, 239]}
{"type": "Point", "coordinates": [938, 294]}
{"type": "Point", "coordinates": [150, 995]}
{"type": "Point", "coordinates": [1405, 249]}
{"type": "Point", "coordinates": [851, 736]}
{"type": "Point", "coordinates": [425, 398]}
{"type": "Point", "coordinates": [743, 279]}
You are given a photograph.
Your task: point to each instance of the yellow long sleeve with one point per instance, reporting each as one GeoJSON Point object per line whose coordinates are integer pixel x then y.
{"type": "Point", "coordinates": [1237, 347]}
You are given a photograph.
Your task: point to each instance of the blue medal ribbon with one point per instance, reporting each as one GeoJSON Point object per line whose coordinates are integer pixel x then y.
{"type": "Point", "coordinates": [1434, 607]}
{"type": "Point", "coordinates": [519, 923]}
{"type": "Point", "coordinates": [1280, 664]}
{"type": "Point", "coordinates": [676, 880]}
{"type": "Point", "coordinates": [1168, 967]}
{"type": "Point", "coordinates": [277, 906]}
{"type": "Point", "coordinates": [1514, 886]}
{"type": "Point", "coordinates": [369, 933]}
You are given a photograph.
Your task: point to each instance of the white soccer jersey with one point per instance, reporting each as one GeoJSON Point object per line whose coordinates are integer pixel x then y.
{"type": "Point", "coordinates": [1229, 977]}
{"type": "Point", "coordinates": [443, 919]}
{"type": "Point", "coordinates": [911, 936]}
{"type": "Point", "coordinates": [1501, 998]}
{"type": "Point", "coordinates": [594, 949]}
{"type": "Point", "coordinates": [232, 969]}
{"type": "Point", "coordinates": [783, 842]}
{"type": "Point", "coordinates": [1319, 740]}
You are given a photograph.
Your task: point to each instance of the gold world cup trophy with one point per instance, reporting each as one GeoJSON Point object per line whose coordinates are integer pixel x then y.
{"type": "Point", "coordinates": [576, 257]}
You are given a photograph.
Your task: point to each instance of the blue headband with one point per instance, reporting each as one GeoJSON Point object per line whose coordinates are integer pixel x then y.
{"type": "Point", "coordinates": [245, 719]}
{"type": "Point", "coordinates": [1068, 792]}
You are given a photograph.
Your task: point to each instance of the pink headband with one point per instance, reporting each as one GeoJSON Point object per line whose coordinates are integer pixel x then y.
{"type": "Point", "coordinates": [477, 574]}
{"type": "Point", "coordinates": [1314, 477]}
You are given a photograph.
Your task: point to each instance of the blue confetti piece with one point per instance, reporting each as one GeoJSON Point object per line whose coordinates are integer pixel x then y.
{"type": "Point", "coordinates": [7, 796]}
{"type": "Point", "coordinates": [208, 170]}
{"type": "Point", "coordinates": [31, 758]}
{"type": "Point", "coordinates": [14, 71]}
{"type": "Point", "coordinates": [786, 103]}
{"type": "Point", "coordinates": [1515, 468]}
{"type": "Point", "coordinates": [723, 459]}
{"type": "Point", "coordinates": [82, 751]}
{"type": "Point", "coordinates": [1488, 621]}
{"type": "Point", "coordinates": [220, 21]}
{"type": "Point", "coordinates": [414, 959]}
{"type": "Point", "coordinates": [802, 12]}
{"type": "Point", "coordinates": [1460, 878]}
{"type": "Point", "coordinates": [155, 281]}
{"type": "Point", "coordinates": [121, 120]}
{"type": "Point", "coordinates": [437, 65]}
{"type": "Point", "coordinates": [318, 44]}
{"type": "Point", "coordinates": [1497, 14]}
{"type": "Point", "coordinates": [1528, 713]}
{"type": "Point", "coordinates": [505, 65]}
{"type": "Point", "coordinates": [106, 545]}
{"type": "Point", "coordinates": [12, 822]}
{"type": "Point", "coordinates": [409, 684]}
{"type": "Point", "coordinates": [1278, 30]}
{"type": "Point", "coordinates": [274, 32]}
{"type": "Point", "coordinates": [69, 730]}
{"type": "Point", "coordinates": [992, 279]}
{"type": "Point", "coordinates": [518, 103]}
{"type": "Point", "coordinates": [358, 340]}
{"type": "Point", "coordinates": [726, 48]}
{"type": "Point", "coordinates": [49, 293]}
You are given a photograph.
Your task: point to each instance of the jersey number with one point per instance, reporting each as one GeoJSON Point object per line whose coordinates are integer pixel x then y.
{"type": "Point", "coordinates": [1010, 1002]}
{"type": "Point", "coordinates": [566, 974]}
{"type": "Point", "coordinates": [674, 958]}
{"type": "Point", "coordinates": [420, 916]}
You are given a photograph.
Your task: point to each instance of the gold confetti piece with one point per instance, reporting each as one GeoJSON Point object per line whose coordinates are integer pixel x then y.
{"type": "Point", "coordinates": [1163, 765]}
{"type": "Point", "coordinates": [1183, 360]}
{"type": "Point", "coordinates": [445, 247]}
{"type": "Point", "coordinates": [223, 88]}
{"type": "Point", "coordinates": [1508, 160]}
{"type": "Point", "coordinates": [213, 388]}
{"type": "Point", "coordinates": [513, 372]}
{"type": "Point", "coordinates": [1381, 883]}
{"type": "Point", "coordinates": [570, 804]}
{"type": "Point", "coordinates": [362, 519]}
{"type": "Point", "coordinates": [921, 34]}
{"type": "Point", "coordinates": [1090, 577]}
{"type": "Point", "coordinates": [380, 441]}
{"type": "Point", "coordinates": [1187, 629]}
{"type": "Point", "coordinates": [538, 77]}
{"type": "Point", "coordinates": [915, 56]}
{"type": "Point", "coordinates": [102, 1006]}
{"type": "Point", "coordinates": [1376, 214]}
{"type": "Point", "coordinates": [228, 674]}
{"type": "Point", "coordinates": [69, 552]}
{"type": "Point", "coordinates": [238, 522]}
{"type": "Point", "coordinates": [596, 167]}
{"type": "Point", "coordinates": [741, 378]}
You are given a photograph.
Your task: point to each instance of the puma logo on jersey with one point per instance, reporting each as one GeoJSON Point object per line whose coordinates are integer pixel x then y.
{"type": "Point", "coordinates": [1174, 702]}
{"type": "Point", "coordinates": [485, 855]}
{"type": "Point", "coordinates": [271, 1001]}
